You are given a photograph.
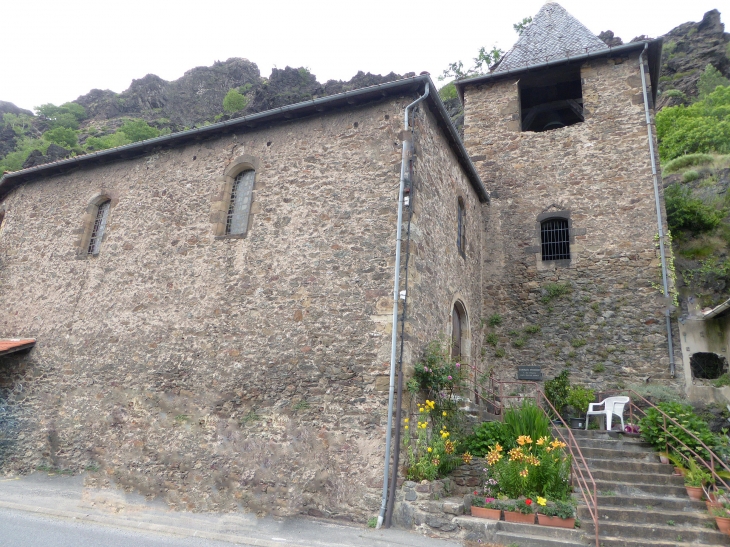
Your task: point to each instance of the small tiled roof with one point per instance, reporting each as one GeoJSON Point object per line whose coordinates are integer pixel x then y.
{"type": "Point", "coordinates": [554, 34]}
{"type": "Point", "coordinates": [9, 345]}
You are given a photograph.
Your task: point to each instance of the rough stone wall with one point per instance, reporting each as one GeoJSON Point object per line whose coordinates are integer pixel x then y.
{"type": "Point", "coordinates": [609, 329]}
{"type": "Point", "coordinates": [438, 274]}
{"type": "Point", "coordinates": [214, 373]}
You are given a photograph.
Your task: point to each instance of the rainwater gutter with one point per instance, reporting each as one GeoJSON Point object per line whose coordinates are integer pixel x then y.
{"type": "Point", "coordinates": [658, 211]}
{"type": "Point", "coordinates": [396, 296]}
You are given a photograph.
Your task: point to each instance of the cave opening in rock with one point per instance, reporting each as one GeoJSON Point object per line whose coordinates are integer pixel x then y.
{"type": "Point", "coordinates": [707, 365]}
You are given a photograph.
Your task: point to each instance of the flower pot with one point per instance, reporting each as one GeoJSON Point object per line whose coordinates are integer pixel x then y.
{"type": "Point", "coordinates": [557, 522]}
{"type": "Point", "coordinates": [710, 504]}
{"type": "Point", "coordinates": [723, 524]}
{"type": "Point", "coordinates": [679, 471]}
{"type": "Point", "coordinates": [694, 492]}
{"type": "Point", "coordinates": [484, 513]}
{"type": "Point", "coordinates": [663, 459]}
{"type": "Point", "coordinates": [515, 516]}
{"type": "Point", "coordinates": [577, 423]}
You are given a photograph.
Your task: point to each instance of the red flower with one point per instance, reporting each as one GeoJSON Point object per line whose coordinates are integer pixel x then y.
{"type": "Point", "coordinates": [528, 501]}
{"type": "Point", "coordinates": [475, 492]}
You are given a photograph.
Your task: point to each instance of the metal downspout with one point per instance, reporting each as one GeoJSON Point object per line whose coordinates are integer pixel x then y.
{"type": "Point", "coordinates": [396, 288]}
{"type": "Point", "coordinates": [658, 212]}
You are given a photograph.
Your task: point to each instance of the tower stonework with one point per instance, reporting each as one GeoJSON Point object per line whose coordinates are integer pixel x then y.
{"type": "Point", "coordinates": [562, 145]}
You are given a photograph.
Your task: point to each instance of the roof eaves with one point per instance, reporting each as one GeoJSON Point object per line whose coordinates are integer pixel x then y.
{"type": "Point", "coordinates": [11, 345]}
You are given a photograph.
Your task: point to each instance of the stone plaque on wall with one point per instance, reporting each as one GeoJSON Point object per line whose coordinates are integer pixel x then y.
{"type": "Point", "coordinates": [530, 372]}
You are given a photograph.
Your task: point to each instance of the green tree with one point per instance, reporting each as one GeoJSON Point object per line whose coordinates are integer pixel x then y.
{"type": "Point", "coordinates": [709, 80]}
{"type": "Point", "coordinates": [67, 115]}
{"type": "Point", "coordinates": [94, 144]}
{"type": "Point", "coordinates": [702, 127]}
{"type": "Point", "coordinates": [62, 136]}
{"type": "Point", "coordinates": [522, 25]}
{"type": "Point", "coordinates": [686, 213]}
{"type": "Point", "coordinates": [234, 101]}
{"type": "Point", "coordinates": [138, 130]}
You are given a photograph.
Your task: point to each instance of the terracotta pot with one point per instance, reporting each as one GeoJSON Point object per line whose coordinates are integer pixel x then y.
{"type": "Point", "coordinates": [515, 516]}
{"type": "Point", "coordinates": [723, 524]}
{"type": "Point", "coordinates": [694, 492]}
{"type": "Point", "coordinates": [679, 471]}
{"type": "Point", "coordinates": [483, 512]}
{"type": "Point", "coordinates": [710, 504]}
{"type": "Point", "coordinates": [555, 521]}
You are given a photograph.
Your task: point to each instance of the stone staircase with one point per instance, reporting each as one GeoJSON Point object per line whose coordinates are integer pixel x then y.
{"type": "Point", "coordinates": [640, 501]}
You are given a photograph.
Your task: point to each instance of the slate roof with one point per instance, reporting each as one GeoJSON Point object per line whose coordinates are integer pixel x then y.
{"type": "Point", "coordinates": [10, 345]}
{"type": "Point", "coordinates": [554, 34]}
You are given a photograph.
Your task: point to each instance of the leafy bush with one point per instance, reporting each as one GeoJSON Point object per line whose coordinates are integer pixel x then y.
{"type": "Point", "coordinates": [448, 92]}
{"type": "Point", "coordinates": [709, 80]}
{"type": "Point", "coordinates": [675, 94]}
{"type": "Point", "coordinates": [688, 160]}
{"type": "Point", "coordinates": [429, 454]}
{"type": "Point", "coordinates": [701, 127]}
{"type": "Point", "coordinates": [652, 424]}
{"type": "Point", "coordinates": [107, 141]}
{"type": "Point", "coordinates": [557, 391]}
{"type": "Point", "coordinates": [488, 434]}
{"type": "Point", "coordinates": [579, 398]}
{"type": "Point", "coordinates": [689, 214]}
{"type": "Point", "coordinates": [690, 175]}
{"type": "Point", "coordinates": [560, 509]}
{"type": "Point", "coordinates": [722, 381]}
{"type": "Point", "coordinates": [527, 420]}
{"type": "Point", "coordinates": [234, 101]}
{"type": "Point", "coordinates": [138, 130]}
{"type": "Point", "coordinates": [67, 115]}
{"type": "Point", "coordinates": [62, 136]}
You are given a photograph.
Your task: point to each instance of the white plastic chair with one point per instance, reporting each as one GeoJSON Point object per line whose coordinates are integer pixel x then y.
{"type": "Point", "coordinates": [611, 406]}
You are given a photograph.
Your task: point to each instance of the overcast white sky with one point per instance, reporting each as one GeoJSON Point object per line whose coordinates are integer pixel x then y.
{"type": "Point", "coordinates": [54, 51]}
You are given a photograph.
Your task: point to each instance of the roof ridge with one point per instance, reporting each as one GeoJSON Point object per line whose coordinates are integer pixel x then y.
{"type": "Point", "coordinates": [554, 34]}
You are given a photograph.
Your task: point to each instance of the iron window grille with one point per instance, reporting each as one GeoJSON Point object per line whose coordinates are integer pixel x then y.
{"type": "Point", "coordinates": [98, 231]}
{"type": "Point", "coordinates": [240, 204]}
{"type": "Point", "coordinates": [555, 239]}
{"type": "Point", "coordinates": [461, 234]}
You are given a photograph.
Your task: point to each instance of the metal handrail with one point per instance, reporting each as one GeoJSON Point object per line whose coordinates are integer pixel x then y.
{"type": "Point", "coordinates": [713, 457]}
{"type": "Point", "coordinates": [580, 471]}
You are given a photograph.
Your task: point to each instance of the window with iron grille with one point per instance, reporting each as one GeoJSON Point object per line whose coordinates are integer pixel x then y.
{"type": "Point", "coordinates": [97, 233]}
{"type": "Point", "coordinates": [461, 234]}
{"type": "Point", "coordinates": [555, 239]}
{"type": "Point", "coordinates": [240, 204]}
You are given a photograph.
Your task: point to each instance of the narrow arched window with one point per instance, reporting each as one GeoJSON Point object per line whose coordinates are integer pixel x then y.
{"type": "Point", "coordinates": [458, 325]}
{"type": "Point", "coordinates": [461, 233]}
{"type": "Point", "coordinates": [239, 206]}
{"type": "Point", "coordinates": [97, 232]}
{"type": "Point", "coordinates": [555, 239]}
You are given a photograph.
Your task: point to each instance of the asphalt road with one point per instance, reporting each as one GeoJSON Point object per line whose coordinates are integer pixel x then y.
{"type": "Point", "coordinates": [18, 529]}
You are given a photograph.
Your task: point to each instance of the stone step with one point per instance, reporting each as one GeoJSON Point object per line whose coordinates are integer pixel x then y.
{"type": "Point", "coordinates": [640, 489]}
{"type": "Point", "coordinates": [535, 535]}
{"type": "Point", "coordinates": [677, 534]}
{"type": "Point", "coordinates": [610, 454]}
{"type": "Point", "coordinates": [628, 446]}
{"type": "Point", "coordinates": [628, 542]}
{"type": "Point", "coordinates": [648, 515]}
{"type": "Point", "coordinates": [635, 466]}
{"type": "Point", "coordinates": [633, 478]}
{"type": "Point", "coordinates": [662, 503]}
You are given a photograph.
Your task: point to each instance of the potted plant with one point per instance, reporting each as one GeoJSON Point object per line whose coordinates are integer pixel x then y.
{"type": "Point", "coordinates": [486, 508]}
{"type": "Point", "coordinates": [560, 514]}
{"type": "Point", "coordinates": [678, 463]}
{"type": "Point", "coordinates": [722, 517]}
{"type": "Point", "coordinates": [694, 478]}
{"type": "Point", "coordinates": [578, 399]}
{"type": "Point", "coordinates": [522, 511]}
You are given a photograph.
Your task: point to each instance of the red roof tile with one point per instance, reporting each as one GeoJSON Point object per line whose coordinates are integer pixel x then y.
{"type": "Point", "coordinates": [9, 345]}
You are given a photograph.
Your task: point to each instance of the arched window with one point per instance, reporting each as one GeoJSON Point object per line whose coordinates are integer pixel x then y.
{"type": "Point", "coordinates": [555, 239]}
{"type": "Point", "coordinates": [239, 206]}
{"type": "Point", "coordinates": [97, 231]}
{"type": "Point", "coordinates": [461, 229]}
{"type": "Point", "coordinates": [458, 330]}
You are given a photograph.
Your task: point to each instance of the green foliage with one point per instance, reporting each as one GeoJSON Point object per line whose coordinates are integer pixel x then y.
{"type": "Point", "coordinates": [107, 141]}
{"type": "Point", "coordinates": [652, 425]}
{"type": "Point", "coordinates": [528, 419]}
{"type": "Point", "coordinates": [518, 342]}
{"type": "Point", "coordinates": [675, 94]}
{"type": "Point", "coordinates": [688, 160]}
{"type": "Point", "coordinates": [448, 92]}
{"type": "Point", "coordinates": [560, 509]}
{"type": "Point", "coordinates": [579, 398]}
{"type": "Point", "coordinates": [486, 435]}
{"type": "Point", "coordinates": [689, 176]}
{"type": "Point", "coordinates": [722, 381]}
{"type": "Point", "coordinates": [522, 25]}
{"type": "Point", "coordinates": [701, 127]}
{"type": "Point", "coordinates": [482, 61]}
{"type": "Point", "coordinates": [600, 367]}
{"type": "Point", "coordinates": [656, 392]}
{"type": "Point", "coordinates": [67, 115]}
{"type": "Point", "coordinates": [578, 342]}
{"type": "Point", "coordinates": [14, 160]}
{"type": "Point", "coordinates": [234, 101]}
{"type": "Point", "coordinates": [372, 522]}
{"type": "Point", "coordinates": [492, 339]}
{"type": "Point", "coordinates": [557, 391]}
{"type": "Point", "coordinates": [495, 320]}
{"type": "Point", "coordinates": [500, 352]}
{"type": "Point", "coordinates": [695, 475]}
{"type": "Point", "coordinates": [532, 329]}
{"type": "Point", "coordinates": [62, 136]}
{"type": "Point", "coordinates": [552, 291]}
{"type": "Point", "coordinates": [429, 454]}
{"type": "Point", "coordinates": [709, 80]}
{"type": "Point", "coordinates": [138, 130]}
{"type": "Point", "coordinates": [689, 214]}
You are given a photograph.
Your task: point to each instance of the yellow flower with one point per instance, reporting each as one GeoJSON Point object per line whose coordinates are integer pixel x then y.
{"type": "Point", "coordinates": [541, 441]}
{"type": "Point", "coordinates": [406, 420]}
{"type": "Point", "coordinates": [497, 448]}
{"type": "Point", "coordinates": [430, 404]}
{"type": "Point", "coordinates": [522, 440]}
{"type": "Point", "coordinates": [466, 458]}
{"type": "Point", "coordinates": [420, 409]}
{"type": "Point", "coordinates": [524, 472]}
{"type": "Point", "coordinates": [430, 449]}
{"type": "Point", "coordinates": [541, 501]}
{"type": "Point", "coordinates": [449, 447]}
{"type": "Point", "coordinates": [443, 413]}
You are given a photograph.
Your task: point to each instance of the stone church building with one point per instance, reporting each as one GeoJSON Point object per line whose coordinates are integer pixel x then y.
{"type": "Point", "coordinates": [211, 312]}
